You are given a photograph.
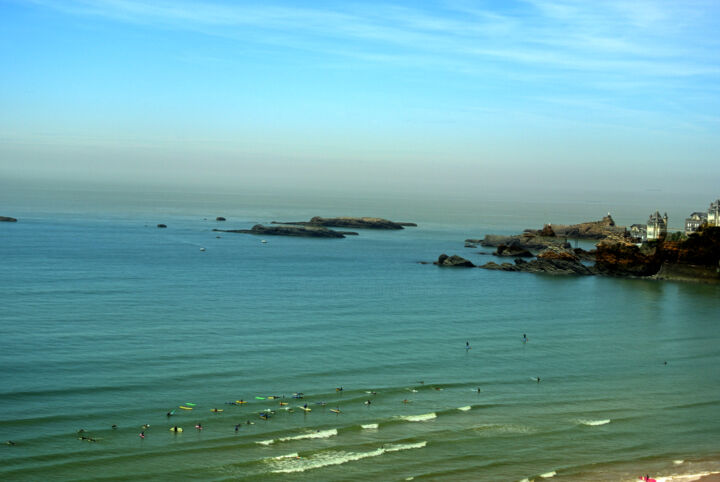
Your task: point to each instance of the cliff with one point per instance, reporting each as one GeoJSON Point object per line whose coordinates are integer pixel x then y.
{"type": "Point", "coordinates": [697, 258]}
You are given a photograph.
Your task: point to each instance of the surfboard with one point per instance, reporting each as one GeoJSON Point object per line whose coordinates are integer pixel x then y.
{"type": "Point", "coordinates": [240, 401]}
{"type": "Point", "coordinates": [335, 410]}
{"type": "Point", "coordinates": [190, 404]}
{"type": "Point", "coordinates": [185, 408]}
{"type": "Point", "coordinates": [216, 410]}
{"type": "Point", "coordinates": [172, 429]}
{"type": "Point", "coordinates": [259, 398]}
{"type": "Point", "coordinates": [307, 409]}
{"type": "Point", "coordinates": [282, 404]}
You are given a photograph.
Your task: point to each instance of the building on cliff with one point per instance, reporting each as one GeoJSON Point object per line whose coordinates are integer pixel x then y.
{"type": "Point", "coordinates": [657, 226]}
{"type": "Point", "coordinates": [638, 232]}
{"type": "Point", "coordinates": [694, 222]}
{"type": "Point", "coordinates": [713, 214]}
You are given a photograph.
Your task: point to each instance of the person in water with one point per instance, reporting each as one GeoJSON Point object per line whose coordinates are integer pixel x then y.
{"type": "Point", "coordinates": [142, 434]}
{"type": "Point", "coordinates": [467, 345]}
{"type": "Point", "coordinates": [175, 428]}
{"type": "Point", "coordinates": [198, 426]}
{"type": "Point", "coordinates": [524, 338]}
{"type": "Point", "coordinates": [237, 427]}
{"type": "Point", "coordinates": [538, 379]}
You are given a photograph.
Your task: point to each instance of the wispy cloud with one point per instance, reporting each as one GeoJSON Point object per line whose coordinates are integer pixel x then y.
{"type": "Point", "coordinates": [607, 46]}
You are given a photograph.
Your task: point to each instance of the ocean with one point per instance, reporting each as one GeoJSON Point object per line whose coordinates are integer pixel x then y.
{"type": "Point", "coordinates": [106, 320]}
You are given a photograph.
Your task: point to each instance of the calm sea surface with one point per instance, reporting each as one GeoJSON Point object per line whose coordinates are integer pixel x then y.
{"type": "Point", "coordinates": [107, 320]}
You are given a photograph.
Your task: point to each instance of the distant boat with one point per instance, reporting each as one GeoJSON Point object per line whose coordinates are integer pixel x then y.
{"type": "Point", "coordinates": [202, 249]}
{"type": "Point", "coordinates": [263, 241]}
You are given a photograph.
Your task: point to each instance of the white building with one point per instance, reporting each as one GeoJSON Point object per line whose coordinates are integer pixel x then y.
{"type": "Point", "coordinates": [638, 232]}
{"type": "Point", "coordinates": [657, 226]}
{"type": "Point", "coordinates": [713, 215]}
{"type": "Point", "coordinates": [695, 221]}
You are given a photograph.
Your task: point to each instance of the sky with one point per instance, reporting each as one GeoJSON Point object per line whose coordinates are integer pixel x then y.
{"type": "Point", "coordinates": [443, 97]}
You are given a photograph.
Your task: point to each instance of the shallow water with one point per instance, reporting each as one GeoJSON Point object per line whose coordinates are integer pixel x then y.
{"type": "Point", "coordinates": [109, 320]}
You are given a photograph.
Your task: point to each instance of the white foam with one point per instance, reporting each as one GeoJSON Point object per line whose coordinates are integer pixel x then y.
{"type": "Point", "coordinates": [370, 426]}
{"type": "Point", "coordinates": [325, 459]}
{"type": "Point", "coordinates": [685, 477]}
{"type": "Point", "coordinates": [318, 434]}
{"type": "Point", "coordinates": [594, 423]}
{"type": "Point", "coordinates": [678, 462]}
{"type": "Point", "coordinates": [293, 455]}
{"type": "Point", "coordinates": [548, 475]}
{"type": "Point", "coordinates": [464, 409]}
{"type": "Point", "coordinates": [419, 418]}
{"type": "Point", "coordinates": [304, 436]}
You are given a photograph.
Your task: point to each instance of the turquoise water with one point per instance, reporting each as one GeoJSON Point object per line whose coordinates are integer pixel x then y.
{"type": "Point", "coordinates": [106, 320]}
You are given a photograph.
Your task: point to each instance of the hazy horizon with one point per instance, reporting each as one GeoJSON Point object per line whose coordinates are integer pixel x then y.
{"type": "Point", "coordinates": [444, 99]}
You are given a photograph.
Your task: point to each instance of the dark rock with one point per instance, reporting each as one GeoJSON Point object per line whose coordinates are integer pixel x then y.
{"type": "Point", "coordinates": [7, 219]}
{"type": "Point", "coordinates": [470, 245]}
{"type": "Point", "coordinates": [298, 231]}
{"type": "Point", "coordinates": [347, 222]}
{"type": "Point", "coordinates": [547, 266]}
{"type": "Point", "coordinates": [547, 230]}
{"type": "Point", "coordinates": [626, 259]}
{"type": "Point", "coordinates": [453, 261]}
{"type": "Point", "coordinates": [162, 225]}
{"type": "Point", "coordinates": [513, 250]}
{"type": "Point", "coordinates": [220, 218]}
{"type": "Point", "coordinates": [583, 255]}
{"type": "Point", "coordinates": [524, 241]}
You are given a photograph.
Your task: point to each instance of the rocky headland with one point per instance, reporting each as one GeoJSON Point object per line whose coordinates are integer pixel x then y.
{"type": "Point", "coordinates": [349, 222]}
{"type": "Point", "coordinates": [7, 219]}
{"type": "Point", "coordinates": [298, 231]}
{"type": "Point", "coordinates": [696, 258]}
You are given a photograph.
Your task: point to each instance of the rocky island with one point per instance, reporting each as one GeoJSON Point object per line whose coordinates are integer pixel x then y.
{"type": "Point", "coordinates": [298, 231]}
{"type": "Point", "coordinates": [7, 219]}
{"type": "Point", "coordinates": [349, 222]}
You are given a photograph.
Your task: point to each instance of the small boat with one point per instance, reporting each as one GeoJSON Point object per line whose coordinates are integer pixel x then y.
{"type": "Point", "coordinates": [263, 241]}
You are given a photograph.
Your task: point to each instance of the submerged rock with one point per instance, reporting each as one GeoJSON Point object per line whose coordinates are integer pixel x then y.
{"type": "Point", "coordinates": [220, 218]}
{"type": "Point", "coordinates": [7, 219]}
{"type": "Point", "coordinates": [512, 251]}
{"type": "Point", "coordinates": [162, 225]}
{"type": "Point", "coordinates": [547, 266]}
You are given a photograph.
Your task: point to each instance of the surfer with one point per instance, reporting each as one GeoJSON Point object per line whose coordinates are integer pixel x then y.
{"type": "Point", "coordinates": [142, 434]}
{"type": "Point", "coordinates": [146, 426]}
{"type": "Point", "coordinates": [114, 427]}
{"type": "Point", "coordinates": [524, 338]}
{"type": "Point", "coordinates": [237, 427]}
{"type": "Point", "coordinates": [467, 345]}
{"type": "Point", "coordinates": [538, 379]}
{"type": "Point", "coordinates": [478, 389]}
{"type": "Point", "coordinates": [175, 429]}
{"type": "Point", "coordinates": [368, 402]}
{"type": "Point", "coordinates": [10, 442]}
{"type": "Point", "coordinates": [198, 426]}
{"type": "Point", "coordinates": [339, 389]}
{"type": "Point", "coordinates": [169, 414]}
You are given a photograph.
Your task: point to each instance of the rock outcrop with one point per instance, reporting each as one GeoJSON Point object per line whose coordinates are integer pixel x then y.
{"type": "Point", "coordinates": [547, 266]}
{"type": "Point", "coordinates": [162, 225]}
{"type": "Point", "coordinates": [7, 219]}
{"type": "Point", "coordinates": [589, 230]}
{"type": "Point", "coordinates": [453, 261]}
{"type": "Point", "coordinates": [554, 252]}
{"type": "Point", "coordinates": [513, 250]}
{"type": "Point", "coordinates": [297, 231]}
{"type": "Point", "coordinates": [349, 222]}
{"type": "Point", "coordinates": [220, 218]}
{"type": "Point", "coordinates": [525, 240]}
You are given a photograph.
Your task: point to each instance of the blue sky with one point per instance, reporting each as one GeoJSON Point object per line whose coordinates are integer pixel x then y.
{"type": "Point", "coordinates": [447, 95]}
